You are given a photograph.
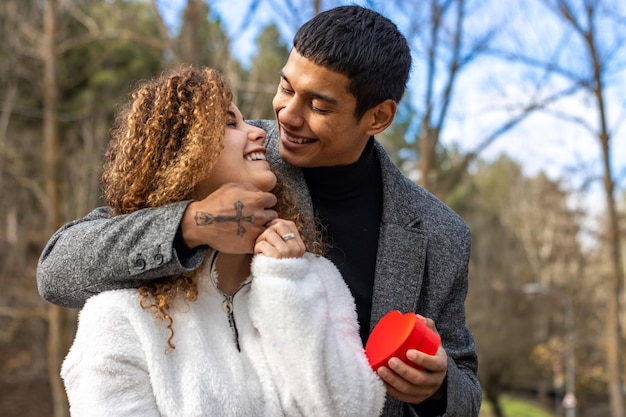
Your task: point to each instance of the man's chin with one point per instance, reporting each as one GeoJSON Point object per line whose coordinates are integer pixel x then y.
{"type": "Point", "coordinates": [289, 157]}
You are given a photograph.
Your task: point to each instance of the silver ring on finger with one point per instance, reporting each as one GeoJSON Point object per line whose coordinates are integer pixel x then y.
{"type": "Point", "coordinates": [288, 236]}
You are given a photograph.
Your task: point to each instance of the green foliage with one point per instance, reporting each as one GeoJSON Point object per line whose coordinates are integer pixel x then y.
{"type": "Point", "coordinates": [257, 87]}
{"type": "Point", "coordinates": [498, 311]}
{"type": "Point", "coordinates": [95, 74]}
{"type": "Point", "coordinates": [271, 54]}
{"type": "Point", "coordinates": [514, 407]}
{"type": "Point", "coordinates": [105, 68]}
{"type": "Point", "coordinates": [202, 40]}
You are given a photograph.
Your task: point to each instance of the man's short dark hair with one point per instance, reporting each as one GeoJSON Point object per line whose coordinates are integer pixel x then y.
{"type": "Point", "coordinates": [362, 44]}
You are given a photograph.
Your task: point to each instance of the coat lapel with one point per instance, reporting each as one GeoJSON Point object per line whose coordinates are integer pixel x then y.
{"type": "Point", "coordinates": [399, 270]}
{"type": "Point", "coordinates": [401, 246]}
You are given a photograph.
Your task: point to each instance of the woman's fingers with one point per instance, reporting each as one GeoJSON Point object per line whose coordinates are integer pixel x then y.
{"type": "Point", "coordinates": [281, 239]}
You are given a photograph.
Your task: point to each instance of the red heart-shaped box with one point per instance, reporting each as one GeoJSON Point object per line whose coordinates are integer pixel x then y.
{"type": "Point", "coordinates": [396, 333]}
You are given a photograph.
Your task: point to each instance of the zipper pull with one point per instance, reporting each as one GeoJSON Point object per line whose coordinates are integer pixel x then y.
{"type": "Point", "coordinates": [227, 306]}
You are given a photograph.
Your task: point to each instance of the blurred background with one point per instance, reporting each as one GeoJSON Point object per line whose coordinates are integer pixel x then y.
{"type": "Point", "coordinates": [514, 116]}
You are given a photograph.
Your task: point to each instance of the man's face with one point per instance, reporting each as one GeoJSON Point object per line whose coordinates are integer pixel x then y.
{"type": "Point", "coordinates": [315, 114]}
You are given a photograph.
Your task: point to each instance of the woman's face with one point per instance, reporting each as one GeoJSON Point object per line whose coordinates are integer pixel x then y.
{"type": "Point", "coordinates": [241, 160]}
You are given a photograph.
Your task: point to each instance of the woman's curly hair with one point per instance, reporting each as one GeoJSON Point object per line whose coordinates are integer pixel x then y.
{"type": "Point", "coordinates": [166, 139]}
{"type": "Point", "coordinates": [163, 142]}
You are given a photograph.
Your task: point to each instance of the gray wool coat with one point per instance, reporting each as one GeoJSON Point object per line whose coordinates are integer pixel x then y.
{"type": "Point", "coordinates": [421, 266]}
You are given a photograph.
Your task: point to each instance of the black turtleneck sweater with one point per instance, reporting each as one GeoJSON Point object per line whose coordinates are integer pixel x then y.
{"type": "Point", "coordinates": [348, 202]}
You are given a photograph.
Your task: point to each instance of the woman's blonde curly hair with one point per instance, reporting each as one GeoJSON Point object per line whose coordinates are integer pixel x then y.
{"type": "Point", "coordinates": [162, 144]}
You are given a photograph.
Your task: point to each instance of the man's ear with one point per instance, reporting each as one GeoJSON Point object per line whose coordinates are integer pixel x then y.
{"type": "Point", "coordinates": [381, 116]}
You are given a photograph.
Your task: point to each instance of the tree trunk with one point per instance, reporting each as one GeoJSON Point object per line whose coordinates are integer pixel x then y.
{"type": "Point", "coordinates": [616, 278]}
{"type": "Point", "coordinates": [427, 148]}
{"type": "Point", "coordinates": [616, 275]}
{"type": "Point", "coordinates": [51, 174]}
{"type": "Point", "coordinates": [492, 392]}
{"type": "Point", "coordinates": [191, 42]}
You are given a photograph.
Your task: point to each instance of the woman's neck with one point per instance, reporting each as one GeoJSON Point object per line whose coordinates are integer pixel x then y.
{"type": "Point", "coordinates": [232, 270]}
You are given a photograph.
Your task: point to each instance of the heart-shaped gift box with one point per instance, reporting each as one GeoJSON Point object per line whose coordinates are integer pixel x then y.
{"type": "Point", "coordinates": [395, 334]}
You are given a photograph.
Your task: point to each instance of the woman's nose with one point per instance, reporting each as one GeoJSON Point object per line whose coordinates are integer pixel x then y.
{"type": "Point", "coordinates": [256, 133]}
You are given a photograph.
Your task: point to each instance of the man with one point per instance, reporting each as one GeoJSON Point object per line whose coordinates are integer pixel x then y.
{"type": "Point", "coordinates": [395, 244]}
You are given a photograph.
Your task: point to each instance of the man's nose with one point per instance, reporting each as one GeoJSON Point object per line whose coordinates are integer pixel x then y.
{"type": "Point", "coordinates": [289, 111]}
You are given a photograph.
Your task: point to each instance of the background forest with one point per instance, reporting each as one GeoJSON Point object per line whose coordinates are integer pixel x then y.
{"type": "Point", "coordinates": [492, 83]}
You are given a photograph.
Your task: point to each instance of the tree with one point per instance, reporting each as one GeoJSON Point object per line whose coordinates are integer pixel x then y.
{"type": "Point", "coordinates": [446, 35]}
{"type": "Point", "coordinates": [47, 88]}
{"type": "Point", "coordinates": [526, 287]}
{"type": "Point", "coordinates": [600, 52]}
{"type": "Point", "coordinates": [258, 86]}
{"type": "Point", "coordinates": [494, 303]}
{"type": "Point", "coordinates": [547, 228]}
{"type": "Point", "coordinates": [202, 40]}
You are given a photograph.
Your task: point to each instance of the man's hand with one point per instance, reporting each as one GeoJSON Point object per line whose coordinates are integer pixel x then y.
{"type": "Point", "coordinates": [229, 219]}
{"type": "Point", "coordinates": [411, 385]}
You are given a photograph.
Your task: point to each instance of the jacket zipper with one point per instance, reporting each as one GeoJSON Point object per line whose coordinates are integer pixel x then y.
{"type": "Point", "coordinates": [227, 306]}
{"type": "Point", "coordinates": [228, 302]}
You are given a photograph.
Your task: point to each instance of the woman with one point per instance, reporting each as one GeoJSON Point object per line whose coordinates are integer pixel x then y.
{"type": "Point", "coordinates": [265, 335]}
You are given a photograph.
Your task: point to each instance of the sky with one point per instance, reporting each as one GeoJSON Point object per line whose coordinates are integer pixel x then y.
{"type": "Point", "coordinates": [540, 144]}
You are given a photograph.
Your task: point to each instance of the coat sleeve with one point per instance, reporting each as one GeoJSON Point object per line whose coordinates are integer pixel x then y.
{"type": "Point", "coordinates": [98, 253]}
{"type": "Point", "coordinates": [106, 375]}
{"type": "Point", "coordinates": [307, 325]}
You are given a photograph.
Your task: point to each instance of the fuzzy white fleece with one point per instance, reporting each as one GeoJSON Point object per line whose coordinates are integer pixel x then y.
{"type": "Point", "coordinates": [301, 354]}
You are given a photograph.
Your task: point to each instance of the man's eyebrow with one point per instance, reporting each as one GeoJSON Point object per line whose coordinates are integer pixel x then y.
{"type": "Point", "coordinates": [311, 93]}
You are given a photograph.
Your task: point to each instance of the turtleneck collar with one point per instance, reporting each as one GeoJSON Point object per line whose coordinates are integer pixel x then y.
{"type": "Point", "coordinates": [341, 182]}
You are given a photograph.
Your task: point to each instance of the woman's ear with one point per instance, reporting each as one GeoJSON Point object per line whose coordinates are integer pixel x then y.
{"type": "Point", "coordinates": [381, 116]}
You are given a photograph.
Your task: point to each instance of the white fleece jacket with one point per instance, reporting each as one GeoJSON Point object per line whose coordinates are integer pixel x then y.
{"type": "Point", "coordinates": [301, 354]}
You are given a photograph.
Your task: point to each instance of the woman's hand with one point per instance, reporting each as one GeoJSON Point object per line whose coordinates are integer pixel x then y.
{"type": "Point", "coordinates": [281, 239]}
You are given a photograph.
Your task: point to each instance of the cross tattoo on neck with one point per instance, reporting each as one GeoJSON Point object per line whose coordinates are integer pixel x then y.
{"type": "Point", "coordinates": [203, 218]}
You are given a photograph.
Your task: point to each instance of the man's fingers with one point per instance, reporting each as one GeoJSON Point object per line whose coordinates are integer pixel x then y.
{"type": "Point", "coordinates": [229, 219]}
{"type": "Point", "coordinates": [268, 200]}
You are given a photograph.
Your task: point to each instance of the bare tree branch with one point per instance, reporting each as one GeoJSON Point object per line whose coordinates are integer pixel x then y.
{"type": "Point", "coordinates": [459, 170]}
{"type": "Point", "coordinates": [87, 21]}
